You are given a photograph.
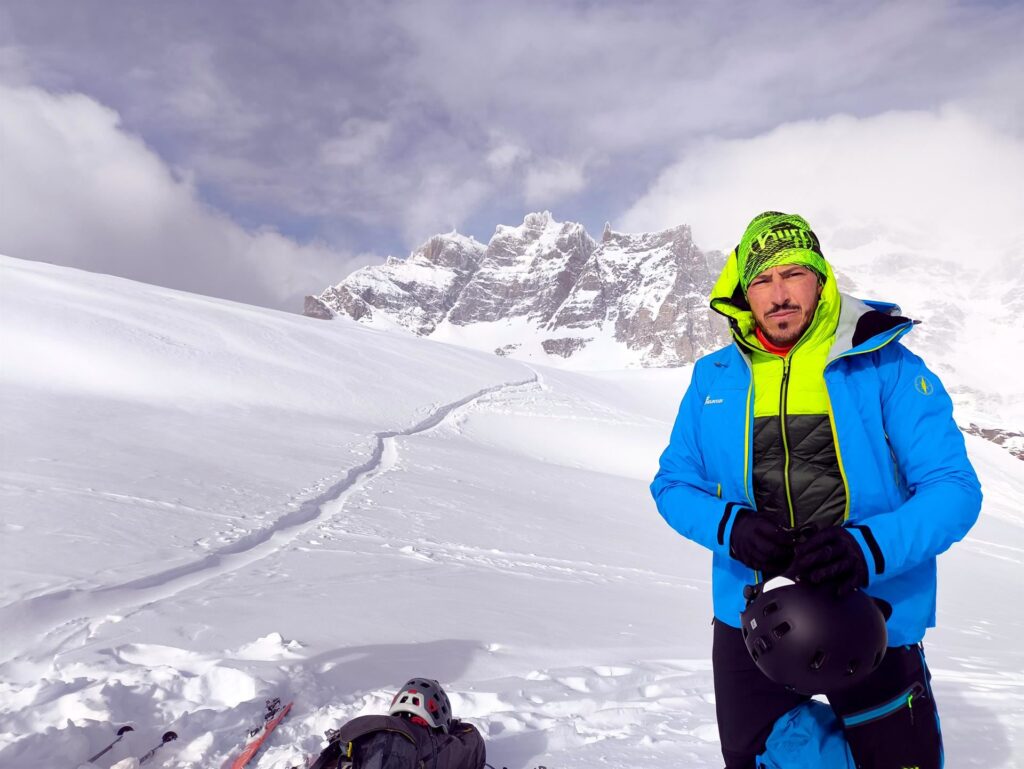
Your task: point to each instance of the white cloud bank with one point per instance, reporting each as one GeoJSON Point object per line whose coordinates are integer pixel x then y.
{"type": "Point", "coordinates": [551, 180]}
{"type": "Point", "coordinates": [77, 190]}
{"type": "Point", "coordinates": [943, 183]}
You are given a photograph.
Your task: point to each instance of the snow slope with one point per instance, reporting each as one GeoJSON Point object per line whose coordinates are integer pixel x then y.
{"type": "Point", "coordinates": [205, 503]}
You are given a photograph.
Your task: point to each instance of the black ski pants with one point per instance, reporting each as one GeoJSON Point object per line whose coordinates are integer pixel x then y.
{"type": "Point", "coordinates": [889, 719]}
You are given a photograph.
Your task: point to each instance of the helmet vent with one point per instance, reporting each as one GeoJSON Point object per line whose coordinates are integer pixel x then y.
{"type": "Point", "coordinates": [781, 629]}
{"type": "Point", "coordinates": [878, 659]}
{"type": "Point", "coordinates": [818, 660]}
{"type": "Point", "coordinates": [425, 698]}
{"type": "Point", "coordinates": [770, 608]}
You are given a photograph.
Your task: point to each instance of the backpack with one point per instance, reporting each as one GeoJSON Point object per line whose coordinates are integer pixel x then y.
{"type": "Point", "coordinates": [394, 742]}
{"type": "Point", "coordinates": [383, 750]}
{"type": "Point", "coordinates": [807, 737]}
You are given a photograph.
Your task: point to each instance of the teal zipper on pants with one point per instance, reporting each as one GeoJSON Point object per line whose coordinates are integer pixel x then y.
{"type": "Point", "coordinates": [904, 700]}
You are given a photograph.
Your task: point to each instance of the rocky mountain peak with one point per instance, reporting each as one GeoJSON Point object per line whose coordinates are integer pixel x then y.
{"type": "Point", "coordinates": [452, 251]}
{"type": "Point", "coordinates": [679, 236]}
{"type": "Point", "coordinates": [539, 220]}
{"type": "Point", "coordinates": [546, 289]}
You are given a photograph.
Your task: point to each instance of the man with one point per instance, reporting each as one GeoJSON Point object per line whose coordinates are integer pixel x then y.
{"type": "Point", "coordinates": [817, 445]}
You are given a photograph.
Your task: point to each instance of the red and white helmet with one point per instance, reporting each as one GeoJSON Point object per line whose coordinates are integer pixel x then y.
{"type": "Point", "coordinates": [425, 698]}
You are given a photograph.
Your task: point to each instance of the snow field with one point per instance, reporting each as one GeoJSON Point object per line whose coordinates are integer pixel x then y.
{"type": "Point", "coordinates": [369, 508]}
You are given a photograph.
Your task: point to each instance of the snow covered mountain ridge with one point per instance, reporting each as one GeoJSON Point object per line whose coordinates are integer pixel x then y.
{"type": "Point", "coordinates": [546, 291]}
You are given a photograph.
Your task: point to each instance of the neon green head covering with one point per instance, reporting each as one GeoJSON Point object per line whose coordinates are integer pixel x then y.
{"type": "Point", "coordinates": [774, 238]}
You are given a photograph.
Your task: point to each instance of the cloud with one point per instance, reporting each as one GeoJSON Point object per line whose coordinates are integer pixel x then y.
{"type": "Point", "coordinates": [505, 155]}
{"type": "Point", "coordinates": [944, 183]}
{"type": "Point", "coordinates": [443, 202]}
{"type": "Point", "coordinates": [80, 191]}
{"type": "Point", "coordinates": [359, 141]}
{"type": "Point", "coordinates": [552, 180]}
{"type": "Point", "coordinates": [614, 78]}
{"type": "Point", "coordinates": [342, 118]}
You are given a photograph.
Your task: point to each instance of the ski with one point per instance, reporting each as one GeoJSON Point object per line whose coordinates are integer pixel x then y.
{"type": "Point", "coordinates": [120, 733]}
{"type": "Point", "coordinates": [274, 715]}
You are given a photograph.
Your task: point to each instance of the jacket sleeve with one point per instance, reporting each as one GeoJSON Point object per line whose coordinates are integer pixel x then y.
{"type": "Point", "coordinates": [944, 493]}
{"type": "Point", "coordinates": [687, 499]}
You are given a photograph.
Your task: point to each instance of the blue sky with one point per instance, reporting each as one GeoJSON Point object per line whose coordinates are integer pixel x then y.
{"type": "Point", "coordinates": [260, 150]}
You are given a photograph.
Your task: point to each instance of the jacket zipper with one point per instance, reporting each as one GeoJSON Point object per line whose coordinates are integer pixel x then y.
{"type": "Point", "coordinates": [748, 460]}
{"type": "Point", "coordinates": [747, 423]}
{"type": "Point", "coordinates": [839, 454]}
{"type": "Point", "coordinates": [901, 330]}
{"type": "Point", "coordinates": [783, 398]}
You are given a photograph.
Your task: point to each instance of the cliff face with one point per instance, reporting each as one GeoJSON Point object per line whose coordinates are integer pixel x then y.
{"type": "Point", "coordinates": [548, 280]}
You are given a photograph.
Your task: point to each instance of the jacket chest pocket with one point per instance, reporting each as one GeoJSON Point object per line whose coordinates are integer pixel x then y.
{"type": "Point", "coordinates": [722, 437]}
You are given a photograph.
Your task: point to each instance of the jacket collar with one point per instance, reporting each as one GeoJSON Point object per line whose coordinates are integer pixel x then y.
{"type": "Point", "coordinates": [865, 325]}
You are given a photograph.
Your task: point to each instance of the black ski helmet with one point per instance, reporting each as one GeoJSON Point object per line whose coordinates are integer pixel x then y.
{"type": "Point", "coordinates": [806, 637]}
{"type": "Point", "coordinates": [425, 698]}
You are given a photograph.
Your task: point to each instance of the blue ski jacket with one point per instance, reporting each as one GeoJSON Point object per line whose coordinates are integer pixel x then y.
{"type": "Point", "coordinates": [911, 491]}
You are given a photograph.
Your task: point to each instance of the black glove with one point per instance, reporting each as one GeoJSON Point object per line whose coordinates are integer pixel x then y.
{"type": "Point", "coordinates": [759, 543]}
{"type": "Point", "coordinates": [831, 555]}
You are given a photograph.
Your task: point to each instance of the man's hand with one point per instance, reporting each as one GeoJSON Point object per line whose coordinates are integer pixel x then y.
{"type": "Point", "coordinates": [759, 543]}
{"type": "Point", "coordinates": [831, 555]}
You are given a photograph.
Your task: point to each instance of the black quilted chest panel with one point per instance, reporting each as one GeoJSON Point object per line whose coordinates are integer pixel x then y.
{"type": "Point", "coordinates": [815, 482]}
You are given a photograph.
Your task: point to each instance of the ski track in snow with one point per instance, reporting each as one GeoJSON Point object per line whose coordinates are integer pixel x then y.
{"type": "Point", "coordinates": [564, 708]}
{"type": "Point", "coordinates": [61, 617]}
{"type": "Point", "coordinates": [539, 566]}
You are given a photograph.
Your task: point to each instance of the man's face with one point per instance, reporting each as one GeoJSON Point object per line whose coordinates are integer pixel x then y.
{"type": "Point", "coordinates": [783, 300]}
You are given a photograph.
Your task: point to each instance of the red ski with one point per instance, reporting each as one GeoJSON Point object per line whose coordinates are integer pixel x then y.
{"type": "Point", "coordinates": [275, 715]}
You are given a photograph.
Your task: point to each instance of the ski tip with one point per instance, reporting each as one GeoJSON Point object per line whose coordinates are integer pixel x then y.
{"type": "Point", "coordinates": [125, 729]}
{"type": "Point", "coordinates": [169, 736]}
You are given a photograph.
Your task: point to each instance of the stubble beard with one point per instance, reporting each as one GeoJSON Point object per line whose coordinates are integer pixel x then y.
{"type": "Point", "coordinates": [788, 332]}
